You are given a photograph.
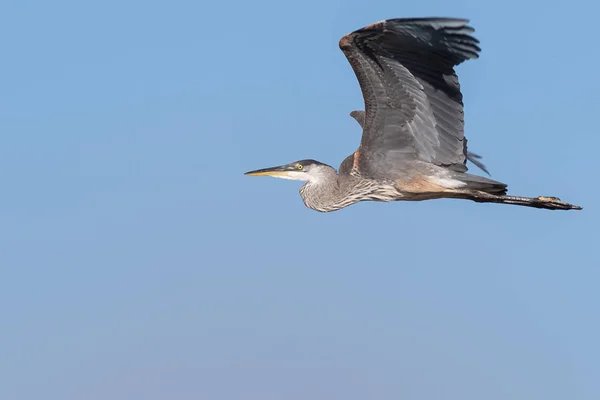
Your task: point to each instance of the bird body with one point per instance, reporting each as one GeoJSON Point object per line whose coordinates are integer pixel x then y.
{"type": "Point", "coordinates": [413, 145]}
{"type": "Point", "coordinates": [327, 190]}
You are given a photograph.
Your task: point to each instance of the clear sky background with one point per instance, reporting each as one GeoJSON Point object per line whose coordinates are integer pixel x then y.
{"type": "Point", "coordinates": [137, 262]}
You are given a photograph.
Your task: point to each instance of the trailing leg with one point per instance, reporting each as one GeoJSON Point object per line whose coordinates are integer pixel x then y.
{"type": "Point", "coordinates": [545, 202]}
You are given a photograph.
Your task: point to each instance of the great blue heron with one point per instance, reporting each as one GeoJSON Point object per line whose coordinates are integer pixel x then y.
{"type": "Point", "coordinates": [413, 145]}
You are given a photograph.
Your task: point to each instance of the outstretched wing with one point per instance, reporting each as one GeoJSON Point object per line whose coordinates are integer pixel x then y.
{"type": "Point", "coordinates": [413, 103]}
{"type": "Point", "coordinates": [359, 116]}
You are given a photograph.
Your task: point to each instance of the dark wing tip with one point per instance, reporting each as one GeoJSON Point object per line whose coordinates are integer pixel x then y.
{"type": "Point", "coordinates": [454, 35]}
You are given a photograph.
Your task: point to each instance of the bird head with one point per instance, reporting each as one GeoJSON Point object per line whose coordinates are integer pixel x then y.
{"type": "Point", "coordinates": [303, 170]}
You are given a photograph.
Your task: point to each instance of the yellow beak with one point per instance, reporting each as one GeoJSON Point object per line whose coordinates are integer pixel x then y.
{"type": "Point", "coordinates": [274, 171]}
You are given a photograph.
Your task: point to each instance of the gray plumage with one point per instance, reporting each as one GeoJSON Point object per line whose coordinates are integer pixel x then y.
{"type": "Point", "coordinates": [359, 116]}
{"type": "Point", "coordinates": [413, 145]}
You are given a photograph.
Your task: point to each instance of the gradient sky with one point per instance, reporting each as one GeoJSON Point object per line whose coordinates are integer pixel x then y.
{"type": "Point", "coordinates": [138, 262]}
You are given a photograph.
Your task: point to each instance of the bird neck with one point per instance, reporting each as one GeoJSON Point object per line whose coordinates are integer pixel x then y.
{"type": "Point", "coordinates": [326, 193]}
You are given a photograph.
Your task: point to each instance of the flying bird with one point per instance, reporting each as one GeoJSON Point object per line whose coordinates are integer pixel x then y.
{"type": "Point", "coordinates": [413, 146]}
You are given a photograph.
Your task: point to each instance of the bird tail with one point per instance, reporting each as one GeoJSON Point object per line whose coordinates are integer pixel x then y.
{"type": "Point", "coordinates": [480, 183]}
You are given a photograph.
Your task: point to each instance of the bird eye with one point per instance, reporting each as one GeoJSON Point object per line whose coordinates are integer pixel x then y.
{"type": "Point", "coordinates": [299, 166]}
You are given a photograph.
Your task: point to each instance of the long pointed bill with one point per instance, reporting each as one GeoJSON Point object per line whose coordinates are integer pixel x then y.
{"type": "Point", "coordinates": [278, 172]}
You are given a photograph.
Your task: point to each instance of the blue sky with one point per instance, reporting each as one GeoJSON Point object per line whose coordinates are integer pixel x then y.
{"type": "Point", "coordinates": [137, 262]}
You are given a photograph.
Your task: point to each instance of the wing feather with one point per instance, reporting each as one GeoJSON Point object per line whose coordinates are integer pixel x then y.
{"type": "Point", "coordinates": [413, 102]}
{"type": "Point", "coordinates": [359, 116]}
